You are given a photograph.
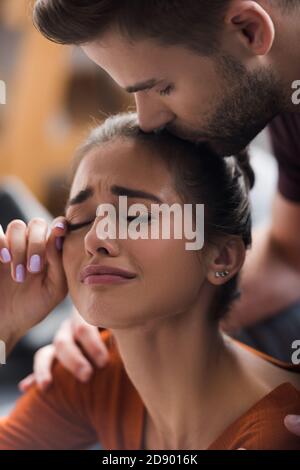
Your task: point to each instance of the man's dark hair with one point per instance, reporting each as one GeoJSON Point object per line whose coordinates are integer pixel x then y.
{"type": "Point", "coordinates": [286, 4]}
{"type": "Point", "coordinates": [193, 23]}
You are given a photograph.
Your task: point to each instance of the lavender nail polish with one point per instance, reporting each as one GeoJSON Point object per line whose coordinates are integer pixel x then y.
{"type": "Point", "coordinates": [35, 264]}
{"type": "Point", "coordinates": [60, 225]}
{"type": "Point", "coordinates": [20, 273]}
{"type": "Point", "coordinates": [5, 255]}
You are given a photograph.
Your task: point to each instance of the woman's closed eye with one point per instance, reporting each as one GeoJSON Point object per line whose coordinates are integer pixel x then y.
{"type": "Point", "coordinates": [140, 218]}
{"type": "Point", "coordinates": [72, 227]}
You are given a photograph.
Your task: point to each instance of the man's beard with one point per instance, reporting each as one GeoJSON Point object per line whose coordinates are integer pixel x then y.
{"type": "Point", "coordinates": [251, 100]}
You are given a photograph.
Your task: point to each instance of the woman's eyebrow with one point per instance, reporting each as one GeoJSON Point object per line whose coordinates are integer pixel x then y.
{"type": "Point", "coordinates": [87, 193]}
{"type": "Point", "coordinates": [81, 197]}
{"type": "Point", "coordinates": [134, 193]}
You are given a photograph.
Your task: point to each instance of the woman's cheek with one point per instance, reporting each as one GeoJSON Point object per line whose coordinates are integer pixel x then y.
{"type": "Point", "coordinates": [71, 258]}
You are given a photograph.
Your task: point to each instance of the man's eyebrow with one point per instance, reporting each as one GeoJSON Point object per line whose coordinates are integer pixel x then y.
{"type": "Point", "coordinates": [134, 193]}
{"type": "Point", "coordinates": [81, 197]}
{"type": "Point", "coordinates": [143, 86]}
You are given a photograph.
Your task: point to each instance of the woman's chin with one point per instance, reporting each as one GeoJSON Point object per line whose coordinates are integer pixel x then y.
{"type": "Point", "coordinates": [111, 320]}
{"type": "Point", "coordinates": [102, 319]}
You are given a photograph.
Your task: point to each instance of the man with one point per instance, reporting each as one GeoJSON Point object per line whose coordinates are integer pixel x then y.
{"type": "Point", "coordinates": [212, 70]}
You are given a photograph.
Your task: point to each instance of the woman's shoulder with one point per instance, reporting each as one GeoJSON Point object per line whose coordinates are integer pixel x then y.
{"type": "Point", "coordinates": [268, 370]}
{"type": "Point", "coordinates": [262, 426]}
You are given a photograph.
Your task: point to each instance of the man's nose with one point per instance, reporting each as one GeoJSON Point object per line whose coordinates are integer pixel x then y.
{"type": "Point", "coordinates": [152, 115]}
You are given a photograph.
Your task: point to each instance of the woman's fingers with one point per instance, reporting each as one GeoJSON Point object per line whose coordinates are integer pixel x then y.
{"type": "Point", "coordinates": [36, 245]}
{"type": "Point", "coordinates": [16, 235]}
{"type": "Point", "coordinates": [5, 256]}
{"type": "Point", "coordinates": [59, 231]}
{"type": "Point", "coordinates": [25, 247]}
{"type": "Point", "coordinates": [54, 252]}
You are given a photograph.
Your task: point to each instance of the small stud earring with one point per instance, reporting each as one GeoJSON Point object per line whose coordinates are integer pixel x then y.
{"type": "Point", "coordinates": [222, 273]}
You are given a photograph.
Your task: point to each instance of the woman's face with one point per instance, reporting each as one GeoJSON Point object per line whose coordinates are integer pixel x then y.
{"type": "Point", "coordinates": [165, 277]}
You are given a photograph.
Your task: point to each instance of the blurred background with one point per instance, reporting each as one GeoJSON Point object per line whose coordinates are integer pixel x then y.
{"type": "Point", "coordinates": [54, 95]}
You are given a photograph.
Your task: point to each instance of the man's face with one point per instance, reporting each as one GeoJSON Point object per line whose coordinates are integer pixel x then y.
{"type": "Point", "coordinates": [198, 98]}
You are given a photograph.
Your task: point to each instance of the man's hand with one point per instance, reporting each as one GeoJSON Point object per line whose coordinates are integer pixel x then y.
{"type": "Point", "coordinates": [270, 278]}
{"type": "Point", "coordinates": [292, 423]}
{"type": "Point", "coordinates": [32, 278]}
{"type": "Point", "coordinates": [77, 345]}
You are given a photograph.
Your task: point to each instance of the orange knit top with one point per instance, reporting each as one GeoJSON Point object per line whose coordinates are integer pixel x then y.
{"type": "Point", "coordinates": [108, 409]}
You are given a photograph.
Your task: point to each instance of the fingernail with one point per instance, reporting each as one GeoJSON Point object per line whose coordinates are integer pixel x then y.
{"type": "Point", "coordinates": [294, 420]}
{"type": "Point", "coordinates": [59, 243]}
{"type": "Point", "coordinates": [20, 273]}
{"type": "Point", "coordinates": [84, 374]}
{"type": "Point", "coordinates": [60, 225]}
{"type": "Point", "coordinates": [5, 255]}
{"type": "Point", "coordinates": [35, 264]}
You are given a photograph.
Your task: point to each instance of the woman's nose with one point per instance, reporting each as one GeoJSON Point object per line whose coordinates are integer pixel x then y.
{"type": "Point", "coordinates": [152, 114]}
{"type": "Point", "coordinates": [95, 244]}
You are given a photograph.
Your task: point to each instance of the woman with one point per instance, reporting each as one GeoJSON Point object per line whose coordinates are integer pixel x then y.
{"type": "Point", "coordinates": [174, 381]}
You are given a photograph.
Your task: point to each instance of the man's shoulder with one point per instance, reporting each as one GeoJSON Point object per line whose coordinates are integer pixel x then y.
{"type": "Point", "coordinates": [286, 126]}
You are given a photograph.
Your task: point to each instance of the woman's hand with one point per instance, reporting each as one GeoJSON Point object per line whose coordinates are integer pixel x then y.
{"type": "Point", "coordinates": [77, 345]}
{"type": "Point", "coordinates": [32, 278]}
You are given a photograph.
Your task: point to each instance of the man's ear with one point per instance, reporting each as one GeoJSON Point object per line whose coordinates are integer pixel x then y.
{"type": "Point", "coordinates": [226, 260]}
{"type": "Point", "coordinates": [252, 24]}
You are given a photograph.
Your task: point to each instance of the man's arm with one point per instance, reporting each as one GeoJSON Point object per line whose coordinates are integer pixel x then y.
{"type": "Point", "coordinates": [271, 275]}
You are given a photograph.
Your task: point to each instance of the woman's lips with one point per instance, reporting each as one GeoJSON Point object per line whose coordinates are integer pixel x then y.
{"type": "Point", "coordinates": [99, 274]}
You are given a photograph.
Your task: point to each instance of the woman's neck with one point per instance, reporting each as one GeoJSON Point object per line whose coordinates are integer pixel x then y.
{"type": "Point", "coordinates": [185, 375]}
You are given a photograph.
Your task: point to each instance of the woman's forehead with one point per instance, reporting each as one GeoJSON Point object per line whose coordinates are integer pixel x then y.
{"type": "Point", "coordinates": [122, 163]}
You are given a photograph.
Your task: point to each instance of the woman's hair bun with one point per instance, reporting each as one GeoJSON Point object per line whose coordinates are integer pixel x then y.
{"type": "Point", "coordinates": [243, 161]}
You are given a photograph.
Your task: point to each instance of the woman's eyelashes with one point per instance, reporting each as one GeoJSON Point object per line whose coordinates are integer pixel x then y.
{"type": "Point", "coordinates": [141, 218]}
{"type": "Point", "coordinates": [73, 227]}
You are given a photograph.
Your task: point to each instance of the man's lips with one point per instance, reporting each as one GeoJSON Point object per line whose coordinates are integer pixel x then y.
{"type": "Point", "coordinates": [99, 274]}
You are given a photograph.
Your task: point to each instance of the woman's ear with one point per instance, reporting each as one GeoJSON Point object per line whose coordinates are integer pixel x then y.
{"type": "Point", "coordinates": [252, 25]}
{"type": "Point", "coordinates": [226, 260]}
